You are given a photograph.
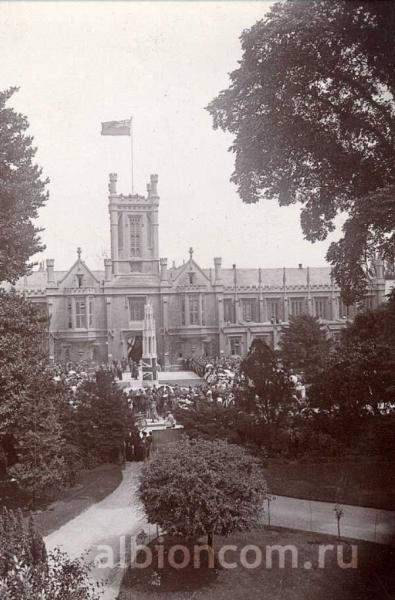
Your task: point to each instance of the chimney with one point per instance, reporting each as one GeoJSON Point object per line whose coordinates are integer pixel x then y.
{"type": "Point", "coordinates": [50, 270]}
{"type": "Point", "coordinates": [112, 186]}
{"type": "Point", "coordinates": [163, 269]}
{"type": "Point", "coordinates": [107, 269]}
{"type": "Point", "coordinates": [300, 266]}
{"type": "Point", "coordinates": [217, 269]}
{"type": "Point", "coordinates": [234, 276]}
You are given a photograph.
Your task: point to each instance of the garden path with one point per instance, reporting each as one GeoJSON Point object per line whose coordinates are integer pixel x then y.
{"type": "Point", "coordinates": [121, 514]}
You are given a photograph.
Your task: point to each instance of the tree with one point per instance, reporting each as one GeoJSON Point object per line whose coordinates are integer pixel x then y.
{"type": "Point", "coordinates": [376, 327]}
{"type": "Point", "coordinates": [23, 331]}
{"type": "Point", "coordinates": [31, 400]}
{"type": "Point", "coordinates": [360, 372]}
{"type": "Point", "coordinates": [40, 466]}
{"type": "Point", "coordinates": [22, 193]}
{"type": "Point", "coordinates": [103, 419]}
{"type": "Point", "coordinates": [200, 487]}
{"type": "Point", "coordinates": [353, 378]}
{"type": "Point", "coordinates": [304, 346]}
{"type": "Point", "coordinates": [312, 111]}
{"type": "Point", "coordinates": [268, 392]}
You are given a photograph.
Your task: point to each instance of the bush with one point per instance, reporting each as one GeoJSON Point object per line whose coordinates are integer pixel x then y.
{"type": "Point", "coordinates": [27, 573]}
{"type": "Point", "coordinates": [60, 579]}
{"type": "Point", "coordinates": [20, 541]}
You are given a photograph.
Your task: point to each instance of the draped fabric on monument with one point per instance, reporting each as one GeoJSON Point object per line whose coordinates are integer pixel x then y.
{"type": "Point", "coordinates": [135, 348]}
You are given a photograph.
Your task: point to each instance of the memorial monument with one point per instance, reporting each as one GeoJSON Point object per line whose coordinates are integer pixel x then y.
{"type": "Point", "coordinates": [149, 357]}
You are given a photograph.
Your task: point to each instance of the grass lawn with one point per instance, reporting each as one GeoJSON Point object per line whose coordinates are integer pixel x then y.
{"type": "Point", "coordinates": [372, 579]}
{"type": "Point", "coordinates": [92, 486]}
{"type": "Point", "coordinates": [365, 482]}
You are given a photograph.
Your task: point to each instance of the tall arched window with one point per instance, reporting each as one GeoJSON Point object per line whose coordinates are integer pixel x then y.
{"type": "Point", "coordinates": [135, 235]}
{"type": "Point", "coordinates": [120, 232]}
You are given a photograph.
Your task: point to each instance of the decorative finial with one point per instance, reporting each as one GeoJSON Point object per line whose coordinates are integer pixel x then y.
{"type": "Point", "coordinates": [190, 253]}
{"type": "Point", "coordinates": [112, 185]}
{"type": "Point", "coordinates": [79, 253]}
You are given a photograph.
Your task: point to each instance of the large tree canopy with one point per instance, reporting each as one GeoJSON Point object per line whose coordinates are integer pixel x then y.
{"type": "Point", "coordinates": [203, 487]}
{"type": "Point", "coordinates": [269, 391]}
{"type": "Point", "coordinates": [22, 193]}
{"type": "Point", "coordinates": [312, 111]}
{"type": "Point", "coordinates": [361, 371]}
{"type": "Point", "coordinates": [304, 346]}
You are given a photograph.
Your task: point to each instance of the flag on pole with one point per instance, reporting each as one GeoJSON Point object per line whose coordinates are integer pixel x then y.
{"type": "Point", "coordinates": [116, 127]}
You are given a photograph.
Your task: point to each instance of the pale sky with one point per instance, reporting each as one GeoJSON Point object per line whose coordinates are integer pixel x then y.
{"type": "Point", "coordinates": [80, 63]}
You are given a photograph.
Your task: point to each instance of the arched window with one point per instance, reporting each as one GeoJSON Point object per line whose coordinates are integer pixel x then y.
{"type": "Point", "coordinates": [135, 235]}
{"type": "Point", "coordinates": [120, 232]}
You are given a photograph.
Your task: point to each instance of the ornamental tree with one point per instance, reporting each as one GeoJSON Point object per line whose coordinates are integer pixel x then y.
{"type": "Point", "coordinates": [200, 487]}
{"type": "Point", "coordinates": [22, 193]}
{"type": "Point", "coordinates": [312, 113]}
{"type": "Point", "coordinates": [304, 346]}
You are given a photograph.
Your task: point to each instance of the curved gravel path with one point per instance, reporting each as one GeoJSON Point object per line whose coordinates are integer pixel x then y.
{"type": "Point", "coordinates": [120, 517]}
{"type": "Point", "coordinates": [119, 514]}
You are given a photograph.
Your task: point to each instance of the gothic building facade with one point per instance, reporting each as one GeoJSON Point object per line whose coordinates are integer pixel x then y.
{"type": "Point", "coordinates": [94, 315]}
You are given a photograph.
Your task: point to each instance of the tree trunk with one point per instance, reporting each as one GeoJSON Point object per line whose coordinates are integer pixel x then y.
{"type": "Point", "coordinates": [210, 540]}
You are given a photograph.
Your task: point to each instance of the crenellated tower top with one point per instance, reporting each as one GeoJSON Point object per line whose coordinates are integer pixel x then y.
{"type": "Point", "coordinates": [134, 229]}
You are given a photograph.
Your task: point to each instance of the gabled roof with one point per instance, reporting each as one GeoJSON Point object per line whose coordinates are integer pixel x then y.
{"type": "Point", "coordinates": [78, 265]}
{"type": "Point", "coordinates": [189, 266]}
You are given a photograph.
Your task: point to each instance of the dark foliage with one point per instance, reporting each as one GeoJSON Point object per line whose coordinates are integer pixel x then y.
{"type": "Point", "coordinates": [22, 193]}
{"type": "Point", "coordinates": [311, 109]}
{"type": "Point", "coordinates": [203, 487]}
{"type": "Point", "coordinates": [359, 376]}
{"type": "Point", "coordinates": [304, 346]}
{"type": "Point", "coordinates": [103, 420]}
{"type": "Point", "coordinates": [268, 393]}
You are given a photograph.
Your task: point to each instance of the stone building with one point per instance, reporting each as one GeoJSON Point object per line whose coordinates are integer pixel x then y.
{"type": "Point", "coordinates": [98, 315]}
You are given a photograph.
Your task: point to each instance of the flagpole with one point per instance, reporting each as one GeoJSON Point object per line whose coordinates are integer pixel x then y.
{"type": "Point", "coordinates": [131, 151]}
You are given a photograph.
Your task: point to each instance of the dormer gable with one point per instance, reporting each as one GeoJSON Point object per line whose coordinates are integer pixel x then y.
{"type": "Point", "coordinates": [79, 276]}
{"type": "Point", "coordinates": [190, 274]}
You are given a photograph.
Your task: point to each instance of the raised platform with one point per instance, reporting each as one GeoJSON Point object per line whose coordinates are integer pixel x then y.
{"type": "Point", "coordinates": [180, 378]}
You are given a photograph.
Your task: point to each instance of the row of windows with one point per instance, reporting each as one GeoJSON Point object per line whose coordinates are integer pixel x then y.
{"type": "Point", "coordinates": [80, 311]}
{"type": "Point", "coordinates": [297, 307]}
{"type": "Point", "coordinates": [275, 310]}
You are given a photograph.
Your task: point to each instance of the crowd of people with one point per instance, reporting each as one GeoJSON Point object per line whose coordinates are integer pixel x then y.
{"type": "Point", "coordinates": [73, 373]}
{"type": "Point", "coordinates": [221, 381]}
